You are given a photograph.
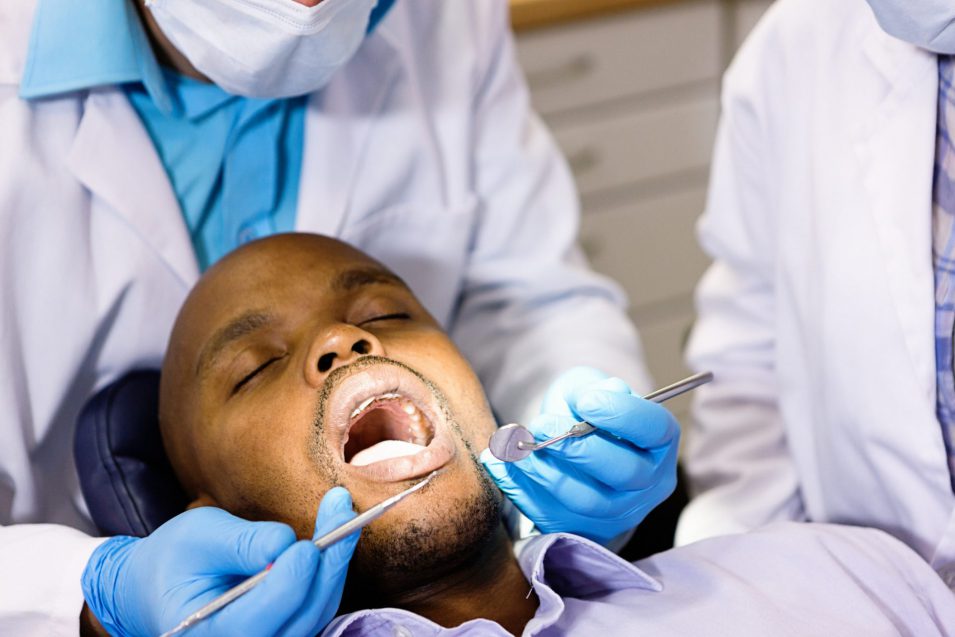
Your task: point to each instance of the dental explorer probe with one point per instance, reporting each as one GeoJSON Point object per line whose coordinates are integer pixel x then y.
{"type": "Point", "coordinates": [511, 443]}
{"type": "Point", "coordinates": [333, 536]}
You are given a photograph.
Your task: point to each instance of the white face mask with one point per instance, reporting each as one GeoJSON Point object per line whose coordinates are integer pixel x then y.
{"type": "Point", "coordinates": [265, 48]}
{"type": "Point", "coordinates": [928, 24]}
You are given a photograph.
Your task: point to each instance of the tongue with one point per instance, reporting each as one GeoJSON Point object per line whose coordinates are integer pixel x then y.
{"type": "Point", "coordinates": [385, 450]}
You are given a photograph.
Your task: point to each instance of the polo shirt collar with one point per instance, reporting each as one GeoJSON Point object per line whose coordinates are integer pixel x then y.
{"type": "Point", "coordinates": [76, 46]}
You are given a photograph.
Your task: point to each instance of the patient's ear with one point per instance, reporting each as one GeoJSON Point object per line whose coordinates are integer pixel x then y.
{"type": "Point", "coordinates": [202, 500]}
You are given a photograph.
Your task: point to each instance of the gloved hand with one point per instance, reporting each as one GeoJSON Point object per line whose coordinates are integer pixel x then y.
{"type": "Point", "coordinates": [145, 586]}
{"type": "Point", "coordinates": [602, 484]}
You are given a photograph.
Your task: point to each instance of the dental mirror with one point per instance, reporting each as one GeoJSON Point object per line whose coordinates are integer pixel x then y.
{"type": "Point", "coordinates": [515, 442]}
{"type": "Point", "coordinates": [510, 442]}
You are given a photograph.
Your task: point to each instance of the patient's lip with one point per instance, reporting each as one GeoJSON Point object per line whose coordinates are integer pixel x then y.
{"type": "Point", "coordinates": [382, 379]}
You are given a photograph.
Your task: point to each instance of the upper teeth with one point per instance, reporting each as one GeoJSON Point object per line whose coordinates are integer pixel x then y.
{"type": "Point", "coordinates": [419, 430]}
{"type": "Point", "coordinates": [368, 401]}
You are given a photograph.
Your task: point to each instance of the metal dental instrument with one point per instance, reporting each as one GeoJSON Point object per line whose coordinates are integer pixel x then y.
{"type": "Point", "coordinates": [511, 443]}
{"type": "Point", "coordinates": [323, 542]}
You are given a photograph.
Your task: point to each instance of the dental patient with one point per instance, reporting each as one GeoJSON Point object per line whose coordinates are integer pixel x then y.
{"type": "Point", "coordinates": [299, 364]}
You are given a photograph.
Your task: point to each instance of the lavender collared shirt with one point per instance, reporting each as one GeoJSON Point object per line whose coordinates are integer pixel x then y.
{"type": "Point", "coordinates": [787, 579]}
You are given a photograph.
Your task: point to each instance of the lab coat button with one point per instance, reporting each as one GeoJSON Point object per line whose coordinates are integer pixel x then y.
{"type": "Point", "coordinates": [401, 631]}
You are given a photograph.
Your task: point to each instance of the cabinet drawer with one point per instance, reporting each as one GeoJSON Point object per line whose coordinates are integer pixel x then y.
{"type": "Point", "coordinates": [747, 14]}
{"type": "Point", "coordinates": [648, 246]}
{"type": "Point", "coordinates": [628, 53]}
{"type": "Point", "coordinates": [640, 145]}
{"type": "Point", "coordinates": [663, 348]}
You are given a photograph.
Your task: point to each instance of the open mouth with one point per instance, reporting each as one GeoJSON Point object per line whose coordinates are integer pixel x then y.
{"type": "Point", "coordinates": [387, 422]}
{"type": "Point", "coordinates": [385, 427]}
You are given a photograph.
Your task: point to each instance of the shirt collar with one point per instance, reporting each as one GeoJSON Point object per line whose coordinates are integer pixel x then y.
{"type": "Point", "coordinates": [557, 565]}
{"type": "Point", "coordinates": [80, 45]}
{"type": "Point", "coordinates": [194, 99]}
{"type": "Point", "coordinates": [560, 565]}
{"type": "Point", "coordinates": [576, 567]}
{"type": "Point", "coordinates": [74, 47]}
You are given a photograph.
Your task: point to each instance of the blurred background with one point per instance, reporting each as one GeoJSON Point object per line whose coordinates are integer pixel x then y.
{"type": "Point", "coordinates": [630, 89]}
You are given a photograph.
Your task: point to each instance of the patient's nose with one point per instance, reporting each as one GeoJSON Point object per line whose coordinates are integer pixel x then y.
{"type": "Point", "coordinates": [337, 346]}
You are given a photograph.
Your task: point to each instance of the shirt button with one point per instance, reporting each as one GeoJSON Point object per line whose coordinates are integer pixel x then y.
{"type": "Point", "coordinates": [246, 235]}
{"type": "Point", "coordinates": [401, 631]}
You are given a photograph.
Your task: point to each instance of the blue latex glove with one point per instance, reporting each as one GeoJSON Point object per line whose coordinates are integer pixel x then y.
{"type": "Point", "coordinates": [145, 586]}
{"type": "Point", "coordinates": [600, 485]}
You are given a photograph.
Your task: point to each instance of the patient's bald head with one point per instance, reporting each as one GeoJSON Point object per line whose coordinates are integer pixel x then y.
{"type": "Point", "coordinates": [298, 363]}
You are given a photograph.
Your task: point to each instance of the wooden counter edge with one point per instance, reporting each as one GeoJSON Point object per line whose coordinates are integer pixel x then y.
{"type": "Point", "coordinates": [530, 14]}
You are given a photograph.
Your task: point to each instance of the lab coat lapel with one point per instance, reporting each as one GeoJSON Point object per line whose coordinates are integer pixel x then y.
{"type": "Point", "coordinates": [895, 143]}
{"type": "Point", "coordinates": [337, 127]}
{"type": "Point", "coordinates": [113, 156]}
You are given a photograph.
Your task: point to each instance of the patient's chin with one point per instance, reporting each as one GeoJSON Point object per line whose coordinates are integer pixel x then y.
{"type": "Point", "coordinates": [390, 561]}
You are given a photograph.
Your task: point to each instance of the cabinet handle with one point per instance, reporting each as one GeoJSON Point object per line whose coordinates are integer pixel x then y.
{"type": "Point", "coordinates": [573, 69]}
{"type": "Point", "coordinates": [583, 160]}
{"type": "Point", "coordinates": [592, 247]}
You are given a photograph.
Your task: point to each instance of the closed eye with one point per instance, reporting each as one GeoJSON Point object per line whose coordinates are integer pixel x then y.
{"type": "Point", "coordinates": [387, 317]}
{"type": "Point", "coordinates": [255, 372]}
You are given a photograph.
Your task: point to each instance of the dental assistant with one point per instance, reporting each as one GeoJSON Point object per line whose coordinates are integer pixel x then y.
{"type": "Point", "coordinates": [827, 315]}
{"type": "Point", "coordinates": [142, 143]}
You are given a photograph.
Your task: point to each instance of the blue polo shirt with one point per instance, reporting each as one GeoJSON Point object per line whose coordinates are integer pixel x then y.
{"type": "Point", "coordinates": [233, 162]}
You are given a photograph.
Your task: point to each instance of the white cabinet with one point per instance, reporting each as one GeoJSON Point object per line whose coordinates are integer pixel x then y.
{"type": "Point", "coordinates": [640, 145]}
{"type": "Point", "coordinates": [649, 246]}
{"type": "Point", "coordinates": [746, 13]}
{"type": "Point", "coordinates": [623, 54]}
{"type": "Point", "coordinates": [632, 98]}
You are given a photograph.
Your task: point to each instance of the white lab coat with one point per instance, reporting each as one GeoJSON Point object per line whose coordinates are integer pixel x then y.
{"type": "Point", "coordinates": [817, 315]}
{"type": "Point", "coordinates": [422, 151]}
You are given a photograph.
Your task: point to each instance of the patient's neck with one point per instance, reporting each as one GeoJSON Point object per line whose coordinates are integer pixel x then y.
{"type": "Point", "coordinates": [490, 586]}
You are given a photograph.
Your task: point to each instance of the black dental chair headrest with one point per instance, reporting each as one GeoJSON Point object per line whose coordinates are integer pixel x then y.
{"type": "Point", "coordinates": [125, 476]}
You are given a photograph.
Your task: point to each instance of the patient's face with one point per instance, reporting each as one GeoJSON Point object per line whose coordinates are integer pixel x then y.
{"type": "Point", "coordinates": [298, 364]}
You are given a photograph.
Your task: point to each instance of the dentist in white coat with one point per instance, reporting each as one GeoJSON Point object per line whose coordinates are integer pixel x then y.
{"type": "Point", "coordinates": [405, 130]}
{"type": "Point", "coordinates": [821, 317]}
